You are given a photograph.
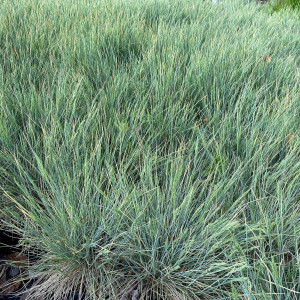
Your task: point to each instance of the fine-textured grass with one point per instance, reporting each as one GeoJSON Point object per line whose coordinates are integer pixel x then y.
{"type": "Point", "coordinates": [283, 4]}
{"type": "Point", "coordinates": [152, 144]}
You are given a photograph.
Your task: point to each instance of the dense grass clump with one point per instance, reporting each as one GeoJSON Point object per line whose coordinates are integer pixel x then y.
{"type": "Point", "coordinates": [152, 145]}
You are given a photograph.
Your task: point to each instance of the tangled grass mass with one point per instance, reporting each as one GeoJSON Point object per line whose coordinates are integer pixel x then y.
{"type": "Point", "coordinates": [152, 146]}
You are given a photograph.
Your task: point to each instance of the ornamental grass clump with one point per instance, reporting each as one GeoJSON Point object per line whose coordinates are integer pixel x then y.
{"type": "Point", "coordinates": [150, 149]}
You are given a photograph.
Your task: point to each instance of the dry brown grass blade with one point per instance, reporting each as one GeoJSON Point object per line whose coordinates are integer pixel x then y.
{"type": "Point", "coordinates": [267, 60]}
{"type": "Point", "coordinates": [9, 280]}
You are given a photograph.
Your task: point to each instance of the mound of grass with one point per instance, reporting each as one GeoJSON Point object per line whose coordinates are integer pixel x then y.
{"type": "Point", "coordinates": [152, 145]}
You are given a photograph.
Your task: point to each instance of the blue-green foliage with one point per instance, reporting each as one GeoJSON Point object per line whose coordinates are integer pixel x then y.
{"type": "Point", "coordinates": [152, 144]}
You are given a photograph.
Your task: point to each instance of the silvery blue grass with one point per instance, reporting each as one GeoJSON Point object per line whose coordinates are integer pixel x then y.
{"type": "Point", "coordinates": [152, 146]}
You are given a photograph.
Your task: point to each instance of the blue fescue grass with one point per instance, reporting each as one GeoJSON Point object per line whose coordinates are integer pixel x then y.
{"type": "Point", "coordinates": [152, 144]}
